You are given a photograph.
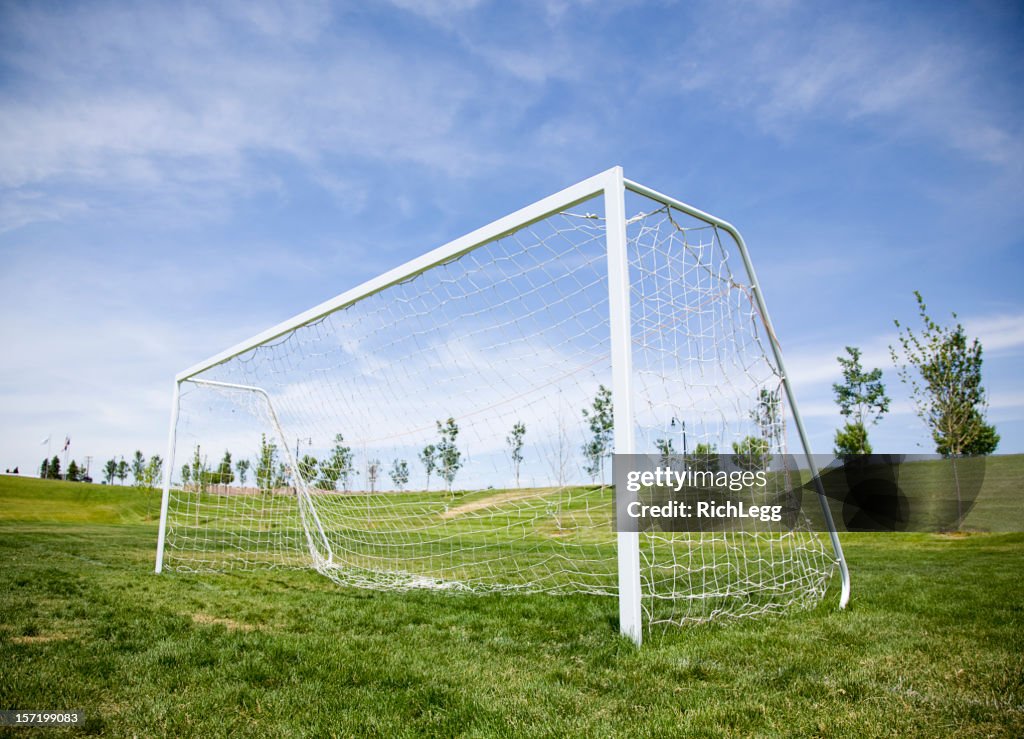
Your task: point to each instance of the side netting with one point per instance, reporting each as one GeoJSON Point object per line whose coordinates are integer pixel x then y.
{"type": "Point", "coordinates": [450, 430]}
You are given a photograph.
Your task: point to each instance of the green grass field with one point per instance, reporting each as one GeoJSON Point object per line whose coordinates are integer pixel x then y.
{"type": "Point", "coordinates": [931, 645]}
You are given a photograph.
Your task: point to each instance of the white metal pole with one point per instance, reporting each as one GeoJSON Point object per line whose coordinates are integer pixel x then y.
{"type": "Point", "coordinates": [630, 615]}
{"type": "Point", "coordinates": [168, 468]}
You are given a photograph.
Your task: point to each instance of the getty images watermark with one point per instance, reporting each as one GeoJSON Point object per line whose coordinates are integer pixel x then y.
{"type": "Point", "coordinates": [776, 493]}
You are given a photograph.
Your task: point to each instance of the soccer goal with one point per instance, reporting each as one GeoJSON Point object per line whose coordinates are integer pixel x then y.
{"type": "Point", "coordinates": [449, 424]}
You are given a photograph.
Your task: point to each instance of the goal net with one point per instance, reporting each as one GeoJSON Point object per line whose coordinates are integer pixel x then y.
{"type": "Point", "coordinates": [450, 424]}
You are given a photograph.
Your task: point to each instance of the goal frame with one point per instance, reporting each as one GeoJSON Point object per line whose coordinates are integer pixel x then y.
{"type": "Point", "coordinates": [612, 186]}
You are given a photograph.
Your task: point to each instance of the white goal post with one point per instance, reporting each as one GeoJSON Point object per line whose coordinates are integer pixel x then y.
{"type": "Point", "coordinates": [447, 424]}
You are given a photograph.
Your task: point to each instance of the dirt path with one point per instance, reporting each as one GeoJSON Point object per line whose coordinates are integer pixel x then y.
{"type": "Point", "coordinates": [496, 500]}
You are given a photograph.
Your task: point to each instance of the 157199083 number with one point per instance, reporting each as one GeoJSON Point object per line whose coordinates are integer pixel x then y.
{"type": "Point", "coordinates": [41, 718]}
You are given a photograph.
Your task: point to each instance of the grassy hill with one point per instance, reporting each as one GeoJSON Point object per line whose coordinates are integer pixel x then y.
{"type": "Point", "coordinates": [27, 499]}
{"type": "Point", "coordinates": [931, 645]}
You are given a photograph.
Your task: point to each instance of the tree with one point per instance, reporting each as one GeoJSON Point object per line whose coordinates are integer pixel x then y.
{"type": "Point", "coordinates": [372, 472]}
{"type": "Point", "coordinates": [266, 465]}
{"type": "Point", "coordinates": [138, 467]}
{"type": "Point", "coordinates": [862, 401]}
{"type": "Point", "coordinates": [751, 453]}
{"type": "Point", "coordinates": [944, 375]}
{"type": "Point", "coordinates": [154, 470]}
{"type": "Point", "coordinates": [44, 470]}
{"type": "Point", "coordinates": [515, 445]}
{"type": "Point", "coordinates": [200, 475]}
{"type": "Point", "coordinates": [429, 459]}
{"type": "Point", "coordinates": [109, 470]}
{"type": "Point", "coordinates": [122, 470]}
{"type": "Point", "coordinates": [602, 425]}
{"type": "Point", "coordinates": [704, 458]}
{"type": "Point", "coordinates": [337, 466]}
{"type": "Point", "coordinates": [242, 467]}
{"type": "Point", "coordinates": [449, 458]}
{"type": "Point", "coordinates": [186, 474]}
{"type": "Point", "coordinates": [73, 472]}
{"type": "Point", "coordinates": [399, 473]}
{"type": "Point", "coordinates": [224, 474]}
{"type": "Point", "coordinates": [665, 449]}
{"type": "Point", "coordinates": [767, 414]}
{"type": "Point", "coordinates": [943, 372]}
{"type": "Point", "coordinates": [281, 475]}
{"type": "Point", "coordinates": [852, 438]}
{"type": "Point", "coordinates": [54, 471]}
{"type": "Point", "coordinates": [307, 467]}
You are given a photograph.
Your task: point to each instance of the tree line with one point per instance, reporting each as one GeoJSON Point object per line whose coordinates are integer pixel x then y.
{"type": "Point", "coordinates": [337, 468]}
{"type": "Point", "coordinates": [145, 472]}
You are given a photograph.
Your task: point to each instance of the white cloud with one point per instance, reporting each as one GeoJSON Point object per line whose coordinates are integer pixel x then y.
{"type": "Point", "coordinates": [997, 333]}
{"type": "Point", "coordinates": [192, 110]}
{"type": "Point", "coordinates": [805, 66]}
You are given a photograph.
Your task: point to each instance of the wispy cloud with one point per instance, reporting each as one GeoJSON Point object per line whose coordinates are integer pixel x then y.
{"type": "Point", "coordinates": [201, 106]}
{"type": "Point", "coordinates": [793, 67]}
{"type": "Point", "coordinates": [998, 334]}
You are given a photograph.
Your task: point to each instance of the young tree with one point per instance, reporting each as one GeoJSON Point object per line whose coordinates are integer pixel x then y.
{"type": "Point", "coordinates": [186, 474]}
{"type": "Point", "coordinates": [138, 468]}
{"type": "Point", "coordinates": [224, 474]}
{"type": "Point", "coordinates": [242, 467]}
{"type": "Point", "coordinates": [337, 466]}
{"type": "Point", "coordinates": [54, 470]}
{"type": "Point", "coordinates": [122, 470]}
{"type": "Point", "coordinates": [943, 371]}
{"type": "Point", "coordinates": [665, 449]}
{"type": "Point", "coordinates": [751, 453]}
{"type": "Point", "coordinates": [862, 400]}
{"type": "Point", "coordinates": [515, 446]}
{"type": "Point", "coordinates": [281, 475]}
{"type": "Point", "coordinates": [154, 470]}
{"type": "Point", "coordinates": [109, 470]}
{"type": "Point", "coordinates": [852, 438]}
{"type": "Point", "coordinates": [44, 470]}
{"type": "Point", "coordinates": [704, 458]}
{"type": "Point", "coordinates": [399, 473]}
{"type": "Point", "coordinates": [200, 474]}
{"type": "Point", "coordinates": [73, 471]}
{"type": "Point", "coordinates": [372, 472]}
{"type": "Point", "coordinates": [767, 414]}
{"type": "Point", "coordinates": [307, 467]}
{"type": "Point", "coordinates": [429, 459]}
{"type": "Point", "coordinates": [266, 465]}
{"type": "Point", "coordinates": [602, 425]}
{"type": "Point", "coordinates": [449, 458]}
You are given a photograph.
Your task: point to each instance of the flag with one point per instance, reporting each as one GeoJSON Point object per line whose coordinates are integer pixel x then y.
{"type": "Point", "coordinates": [45, 441]}
{"type": "Point", "coordinates": [67, 442]}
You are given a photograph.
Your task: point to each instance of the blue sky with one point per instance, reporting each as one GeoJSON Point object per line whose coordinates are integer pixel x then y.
{"type": "Point", "coordinates": [175, 178]}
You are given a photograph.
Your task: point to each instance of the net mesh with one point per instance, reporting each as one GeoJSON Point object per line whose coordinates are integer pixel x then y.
{"type": "Point", "coordinates": [382, 442]}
